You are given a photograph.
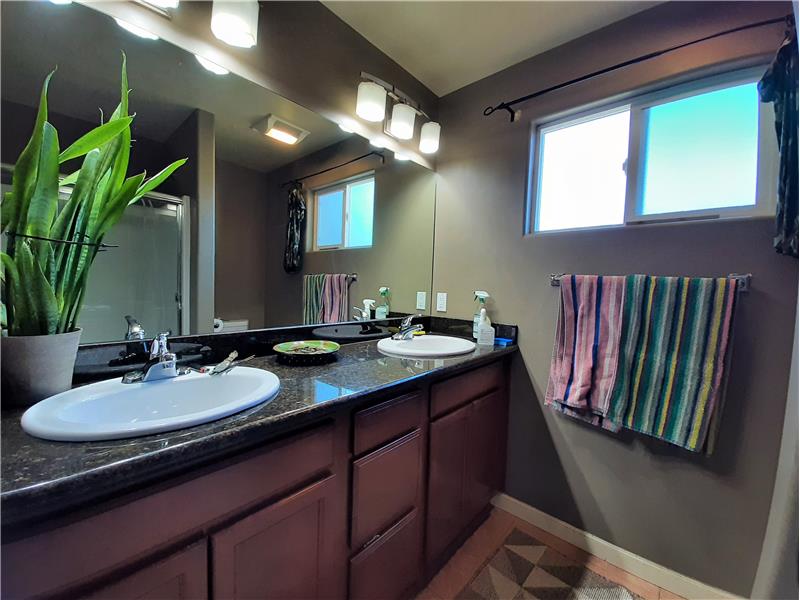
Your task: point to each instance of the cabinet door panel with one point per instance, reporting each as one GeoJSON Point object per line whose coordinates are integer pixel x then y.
{"type": "Point", "coordinates": [448, 443]}
{"type": "Point", "coordinates": [284, 551]}
{"type": "Point", "coordinates": [484, 453]}
{"type": "Point", "coordinates": [390, 567]}
{"type": "Point", "coordinates": [385, 487]}
{"type": "Point", "coordinates": [181, 576]}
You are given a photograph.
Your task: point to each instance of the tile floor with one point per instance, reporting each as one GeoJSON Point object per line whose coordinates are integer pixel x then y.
{"type": "Point", "coordinates": [484, 543]}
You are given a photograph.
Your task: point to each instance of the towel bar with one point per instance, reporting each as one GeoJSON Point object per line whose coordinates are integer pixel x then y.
{"type": "Point", "coordinates": [742, 280]}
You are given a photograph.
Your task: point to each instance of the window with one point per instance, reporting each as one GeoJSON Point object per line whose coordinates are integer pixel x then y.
{"type": "Point", "coordinates": [343, 214]}
{"type": "Point", "coordinates": [703, 150]}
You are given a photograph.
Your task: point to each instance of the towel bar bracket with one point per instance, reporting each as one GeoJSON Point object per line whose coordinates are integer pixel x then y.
{"type": "Point", "coordinates": [742, 280]}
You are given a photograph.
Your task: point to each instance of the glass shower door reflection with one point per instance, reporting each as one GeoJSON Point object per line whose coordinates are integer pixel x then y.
{"type": "Point", "coordinates": [140, 277]}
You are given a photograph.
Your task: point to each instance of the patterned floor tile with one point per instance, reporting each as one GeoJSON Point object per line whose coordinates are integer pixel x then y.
{"type": "Point", "coordinates": [525, 569]}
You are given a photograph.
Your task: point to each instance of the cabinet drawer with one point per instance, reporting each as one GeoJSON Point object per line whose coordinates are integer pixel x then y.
{"type": "Point", "coordinates": [389, 568]}
{"type": "Point", "coordinates": [385, 487]}
{"type": "Point", "coordinates": [386, 421]}
{"type": "Point", "coordinates": [452, 393]}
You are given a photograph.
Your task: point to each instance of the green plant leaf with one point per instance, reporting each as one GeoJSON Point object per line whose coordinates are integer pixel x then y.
{"type": "Point", "coordinates": [44, 201]}
{"type": "Point", "coordinates": [39, 301]}
{"type": "Point", "coordinates": [115, 208]}
{"type": "Point", "coordinates": [96, 138]}
{"type": "Point", "coordinates": [23, 180]}
{"type": "Point", "coordinates": [70, 179]}
{"type": "Point", "coordinates": [10, 281]}
{"type": "Point", "coordinates": [157, 179]}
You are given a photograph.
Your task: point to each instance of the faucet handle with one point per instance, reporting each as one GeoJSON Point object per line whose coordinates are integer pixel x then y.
{"type": "Point", "coordinates": [159, 347]}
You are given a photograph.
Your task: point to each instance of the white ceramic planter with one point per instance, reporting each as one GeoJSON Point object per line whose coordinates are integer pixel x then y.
{"type": "Point", "coordinates": [35, 367]}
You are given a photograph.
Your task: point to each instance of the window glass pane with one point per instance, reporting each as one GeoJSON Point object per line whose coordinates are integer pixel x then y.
{"type": "Point", "coordinates": [701, 152]}
{"type": "Point", "coordinates": [330, 206]}
{"type": "Point", "coordinates": [362, 206]}
{"type": "Point", "coordinates": [582, 177]}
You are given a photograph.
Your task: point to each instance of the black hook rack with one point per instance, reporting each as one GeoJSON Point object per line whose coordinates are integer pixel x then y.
{"type": "Point", "coordinates": [508, 106]}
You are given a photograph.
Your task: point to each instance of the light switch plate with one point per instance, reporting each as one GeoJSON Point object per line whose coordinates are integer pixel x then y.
{"type": "Point", "coordinates": [422, 301]}
{"type": "Point", "coordinates": [441, 302]}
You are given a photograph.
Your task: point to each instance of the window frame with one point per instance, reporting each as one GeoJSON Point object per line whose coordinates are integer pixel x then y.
{"type": "Point", "coordinates": [343, 185]}
{"type": "Point", "coordinates": [766, 166]}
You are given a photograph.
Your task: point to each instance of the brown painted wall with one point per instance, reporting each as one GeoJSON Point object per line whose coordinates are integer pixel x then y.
{"type": "Point", "coordinates": [401, 256]}
{"type": "Point", "coordinates": [704, 517]}
{"type": "Point", "coordinates": [240, 290]}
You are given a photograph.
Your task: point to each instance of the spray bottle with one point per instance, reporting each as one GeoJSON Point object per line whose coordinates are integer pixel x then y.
{"type": "Point", "coordinates": [480, 298]}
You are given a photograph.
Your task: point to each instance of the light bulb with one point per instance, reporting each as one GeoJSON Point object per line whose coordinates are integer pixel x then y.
{"type": "Point", "coordinates": [429, 137]}
{"type": "Point", "coordinates": [402, 125]}
{"type": "Point", "coordinates": [235, 23]}
{"type": "Point", "coordinates": [371, 101]}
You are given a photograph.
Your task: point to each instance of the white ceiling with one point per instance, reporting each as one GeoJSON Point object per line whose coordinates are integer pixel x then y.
{"type": "Point", "coordinates": [447, 45]}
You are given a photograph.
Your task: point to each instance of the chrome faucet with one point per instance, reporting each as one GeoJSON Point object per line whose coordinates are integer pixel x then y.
{"type": "Point", "coordinates": [161, 364]}
{"type": "Point", "coordinates": [407, 329]}
{"type": "Point", "coordinates": [135, 329]}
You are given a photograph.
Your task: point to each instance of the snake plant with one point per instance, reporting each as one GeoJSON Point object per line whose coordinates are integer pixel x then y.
{"type": "Point", "coordinates": [49, 249]}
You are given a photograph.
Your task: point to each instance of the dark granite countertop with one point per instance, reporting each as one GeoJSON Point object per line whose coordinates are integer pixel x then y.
{"type": "Point", "coordinates": [41, 478]}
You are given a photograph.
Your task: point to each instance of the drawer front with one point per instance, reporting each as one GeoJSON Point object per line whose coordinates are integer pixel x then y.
{"type": "Point", "coordinates": [384, 422]}
{"type": "Point", "coordinates": [385, 487]}
{"type": "Point", "coordinates": [452, 393]}
{"type": "Point", "coordinates": [389, 568]}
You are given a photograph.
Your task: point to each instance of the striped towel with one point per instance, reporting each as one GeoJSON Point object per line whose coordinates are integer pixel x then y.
{"type": "Point", "coordinates": [585, 352]}
{"type": "Point", "coordinates": [663, 356]}
{"type": "Point", "coordinates": [312, 298]}
{"type": "Point", "coordinates": [325, 298]}
{"type": "Point", "coordinates": [674, 345]}
{"type": "Point", "coordinates": [335, 299]}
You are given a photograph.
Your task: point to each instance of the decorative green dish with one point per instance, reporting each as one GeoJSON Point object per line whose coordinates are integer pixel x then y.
{"type": "Point", "coordinates": [306, 352]}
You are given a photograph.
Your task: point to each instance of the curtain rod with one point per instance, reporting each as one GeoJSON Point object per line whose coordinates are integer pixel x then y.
{"type": "Point", "coordinates": [352, 160]}
{"type": "Point", "coordinates": [788, 19]}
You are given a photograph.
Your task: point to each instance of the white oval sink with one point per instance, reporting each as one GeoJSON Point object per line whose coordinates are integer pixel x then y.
{"type": "Point", "coordinates": [110, 410]}
{"type": "Point", "coordinates": [426, 346]}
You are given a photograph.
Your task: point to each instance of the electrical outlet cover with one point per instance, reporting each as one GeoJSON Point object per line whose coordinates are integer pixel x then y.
{"type": "Point", "coordinates": [422, 301]}
{"type": "Point", "coordinates": [441, 302]}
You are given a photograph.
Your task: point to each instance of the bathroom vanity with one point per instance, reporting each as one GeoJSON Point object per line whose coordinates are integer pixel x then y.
{"type": "Point", "coordinates": [358, 480]}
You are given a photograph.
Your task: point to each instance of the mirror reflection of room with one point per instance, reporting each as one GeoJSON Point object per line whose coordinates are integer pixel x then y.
{"type": "Point", "coordinates": [207, 251]}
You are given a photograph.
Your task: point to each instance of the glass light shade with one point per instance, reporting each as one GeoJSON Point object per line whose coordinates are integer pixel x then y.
{"type": "Point", "coordinates": [371, 101]}
{"type": "Point", "coordinates": [402, 126]}
{"type": "Point", "coordinates": [235, 23]}
{"type": "Point", "coordinates": [136, 30]}
{"type": "Point", "coordinates": [429, 137]}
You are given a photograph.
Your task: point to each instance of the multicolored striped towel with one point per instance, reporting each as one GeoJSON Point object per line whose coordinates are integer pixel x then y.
{"type": "Point", "coordinates": [585, 352]}
{"type": "Point", "coordinates": [671, 355]}
{"type": "Point", "coordinates": [325, 298]}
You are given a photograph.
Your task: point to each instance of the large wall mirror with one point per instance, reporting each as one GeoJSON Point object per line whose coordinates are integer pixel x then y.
{"type": "Point", "coordinates": [211, 244]}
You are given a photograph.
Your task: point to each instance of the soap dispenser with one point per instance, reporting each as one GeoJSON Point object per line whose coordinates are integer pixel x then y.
{"type": "Point", "coordinates": [382, 312]}
{"type": "Point", "coordinates": [369, 308]}
{"type": "Point", "coordinates": [480, 297]}
{"type": "Point", "coordinates": [485, 330]}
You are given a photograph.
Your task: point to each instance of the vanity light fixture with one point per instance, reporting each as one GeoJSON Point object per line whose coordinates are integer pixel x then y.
{"type": "Point", "coordinates": [136, 30]}
{"type": "Point", "coordinates": [281, 130]}
{"type": "Point", "coordinates": [211, 66]}
{"type": "Point", "coordinates": [402, 124]}
{"type": "Point", "coordinates": [371, 101]}
{"type": "Point", "coordinates": [235, 23]}
{"type": "Point", "coordinates": [429, 137]}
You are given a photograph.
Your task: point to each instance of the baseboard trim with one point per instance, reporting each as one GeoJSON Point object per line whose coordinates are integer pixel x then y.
{"type": "Point", "coordinates": [663, 577]}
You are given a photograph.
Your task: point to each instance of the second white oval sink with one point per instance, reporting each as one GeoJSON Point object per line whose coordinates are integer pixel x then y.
{"type": "Point", "coordinates": [110, 410]}
{"type": "Point", "coordinates": [427, 346]}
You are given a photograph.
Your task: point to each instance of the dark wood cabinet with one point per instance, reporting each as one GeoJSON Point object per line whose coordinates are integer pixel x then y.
{"type": "Point", "coordinates": [181, 576]}
{"type": "Point", "coordinates": [466, 464]}
{"type": "Point", "coordinates": [365, 503]}
{"type": "Point", "coordinates": [446, 470]}
{"type": "Point", "coordinates": [389, 568]}
{"type": "Point", "coordinates": [284, 551]}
